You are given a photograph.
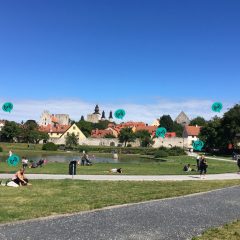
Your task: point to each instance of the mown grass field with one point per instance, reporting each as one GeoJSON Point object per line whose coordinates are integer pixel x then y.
{"type": "Point", "coordinates": [51, 197]}
{"type": "Point", "coordinates": [230, 231]}
{"type": "Point", "coordinates": [170, 165]}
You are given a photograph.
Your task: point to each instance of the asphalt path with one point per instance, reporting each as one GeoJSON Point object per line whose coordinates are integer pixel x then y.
{"type": "Point", "coordinates": [119, 177]}
{"type": "Point", "coordinates": [175, 218]}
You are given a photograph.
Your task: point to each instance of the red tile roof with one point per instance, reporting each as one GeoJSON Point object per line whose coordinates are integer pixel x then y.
{"type": "Point", "coordinates": [150, 129]}
{"type": "Point", "coordinates": [170, 134]}
{"type": "Point", "coordinates": [192, 130]}
{"type": "Point", "coordinates": [100, 133]}
{"type": "Point", "coordinates": [51, 129]}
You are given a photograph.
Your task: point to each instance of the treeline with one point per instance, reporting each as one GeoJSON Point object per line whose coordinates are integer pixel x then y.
{"type": "Point", "coordinates": [222, 134]}
{"type": "Point", "coordinates": [23, 133]}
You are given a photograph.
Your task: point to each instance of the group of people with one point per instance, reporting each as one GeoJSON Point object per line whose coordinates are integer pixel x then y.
{"type": "Point", "coordinates": [201, 166]}
{"type": "Point", "coordinates": [33, 164]}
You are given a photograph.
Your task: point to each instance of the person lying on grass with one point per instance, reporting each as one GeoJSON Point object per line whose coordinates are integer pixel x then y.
{"type": "Point", "coordinates": [115, 170]}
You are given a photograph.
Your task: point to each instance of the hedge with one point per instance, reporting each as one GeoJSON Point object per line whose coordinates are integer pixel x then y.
{"type": "Point", "coordinates": [50, 147]}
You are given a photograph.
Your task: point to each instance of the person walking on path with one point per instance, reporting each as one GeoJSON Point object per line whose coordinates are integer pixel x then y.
{"type": "Point", "coordinates": [198, 162]}
{"type": "Point", "coordinates": [203, 167]}
{"type": "Point", "coordinates": [238, 163]}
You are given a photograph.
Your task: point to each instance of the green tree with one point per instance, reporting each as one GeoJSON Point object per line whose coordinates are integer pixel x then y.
{"type": "Point", "coordinates": [178, 129]}
{"type": "Point", "coordinates": [101, 125]}
{"type": "Point", "coordinates": [10, 131]}
{"type": "Point", "coordinates": [71, 140]}
{"type": "Point", "coordinates": [230, 125]}
{"type": "Point", "coordinates": [200, 121]}
{"type": "Point", "coordinates": [30, 125]}
{"type": "Point", "coordinates": [109, 136]}
{"type": "Point", "coordinates": [166, 122]}
{"type": "Point", "coordinates": [126, 135]}
{"type": "Point", "coordinates": [144, 137]}
{"type": "Point", "coordinates": [85, 127]}
{"type": "Point", "coordinates": [210, 134]}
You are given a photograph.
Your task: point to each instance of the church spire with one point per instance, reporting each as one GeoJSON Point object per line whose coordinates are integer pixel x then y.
{"type": "Point", "coordinates": [96, 110]}
{"type": "Point", "coordinates": [103, 115]}
{"type": "Point", "coordinates": [110, 117]}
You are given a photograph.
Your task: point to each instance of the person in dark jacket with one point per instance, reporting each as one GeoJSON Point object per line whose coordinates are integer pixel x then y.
{"type": "Point", "coordinates": [203, 167]}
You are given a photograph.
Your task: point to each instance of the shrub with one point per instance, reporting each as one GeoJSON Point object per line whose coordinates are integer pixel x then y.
{"type": "Point", "coordinates": [161, 153]}
{"type": "Point", "coordinates": [129, 145]}
{"type": "Point", "coordinates": [1, 149]}
{"type": "Point", "coordinates": [176, 151]}
{"type": "Point", "coordinates": [50, 147]}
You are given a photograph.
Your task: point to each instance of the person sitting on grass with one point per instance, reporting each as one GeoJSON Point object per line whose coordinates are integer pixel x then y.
{"type": "Point", "coordinates": [20, 178]}
{"type": "Point", "coordinates": [115, 170]}
{"type": "Point", "coordinates": [187, 168]}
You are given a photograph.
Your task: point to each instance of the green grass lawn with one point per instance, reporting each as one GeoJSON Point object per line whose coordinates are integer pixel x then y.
{"type": "Point", "coordinates": [228, 232]}
{"type": "Point", "coordinates": [172, 165]}
{"type": "Point", "coordinates": [51, 197]}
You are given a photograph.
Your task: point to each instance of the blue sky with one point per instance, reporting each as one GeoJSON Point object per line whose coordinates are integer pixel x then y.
{"type": "Point", "coordinates": [120, 52]}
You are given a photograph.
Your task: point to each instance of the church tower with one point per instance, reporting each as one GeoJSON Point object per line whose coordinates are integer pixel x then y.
{"type": "Point", "coordinates": [110, 117]}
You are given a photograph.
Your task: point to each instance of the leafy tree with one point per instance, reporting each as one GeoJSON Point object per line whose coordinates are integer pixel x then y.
{"type": "Point", "coordinates": [210, 133]}
{"type": "Point", "coordinates": [126, 135]}
{"type": "Point", "coordinates": [218, 133]}
{"type": "Point", "coordinates": [30, 125]}
{"type": "Point", "coordinates": [71, 140]}
{"type": "Point", "coordinates": [200, 121]}
{"type": "Point", "coordinates": [109, 136]}
{"type": "Point", "coordinates": [178, 128]}
{"type": "Point", "coordinates": [50, 147]}
{"type": "Point", "coordinates": [145, 138]}
{"type": "Point", "coordinates": [101, 125]}
{"type": "Point", "coordinates": [85, 127]}
{"type": "Point", "coordinates": [10, 131]}
{"type": "Point", "coordinates": [230, 125]}
{"type": "Point", "coordinates": [166, 122]}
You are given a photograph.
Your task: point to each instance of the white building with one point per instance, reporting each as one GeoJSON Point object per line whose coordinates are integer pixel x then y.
{"type": "Point", "coordinates": [2, 124]}
{"type": "Point", "coordinates": [191, 134]}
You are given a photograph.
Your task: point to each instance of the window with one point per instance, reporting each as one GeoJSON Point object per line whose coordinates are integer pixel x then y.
{"type": "Point", "coordinates": [74, 128]}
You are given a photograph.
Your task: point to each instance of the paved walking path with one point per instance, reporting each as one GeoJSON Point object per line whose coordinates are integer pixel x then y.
{"type": "Point", "coordinates": [169, 219]}
{"type": "Point", "coordinates": [225, 176]}
{"type": "Point", "coordinates": [214, 158]}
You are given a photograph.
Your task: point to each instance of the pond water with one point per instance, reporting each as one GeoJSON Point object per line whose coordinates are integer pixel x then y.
{"type": "Point", "coordinates": [93, 159]}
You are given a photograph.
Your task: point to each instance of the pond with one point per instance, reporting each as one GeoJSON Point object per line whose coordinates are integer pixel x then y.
{"type": "Point", "coordinates": [93, 159]}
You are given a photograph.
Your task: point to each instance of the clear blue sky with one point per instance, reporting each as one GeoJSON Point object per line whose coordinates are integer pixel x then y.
{"type": "Point", "coordinates": [105, 50]}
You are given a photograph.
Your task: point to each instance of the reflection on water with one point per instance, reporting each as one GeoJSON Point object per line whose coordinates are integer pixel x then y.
{"type": "Point", "coordinates": [68, 158]}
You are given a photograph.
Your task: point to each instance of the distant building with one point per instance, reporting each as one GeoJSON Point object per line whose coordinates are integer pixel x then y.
{"type": "Point", "coordinates": [182, 119]}
{"type": "Point", "coordinates": [57, 134]}
{"type": "Point", "coordinates": [102, 133]}
{"type": "Point", "coordinates": [97, 116]}
{"type": "Point", "coordinates": [191, 134]}
{"type": "Point", "coordinates": [156, 122]}
{"type": "Point", "coordinates": [47, 118]}
{"type": "Point", "coordinates": [2, 124]}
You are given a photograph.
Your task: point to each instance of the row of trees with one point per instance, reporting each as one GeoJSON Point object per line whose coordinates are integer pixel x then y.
{"type": "Point", "coordinates": [27, 132]}
{"type": "Point", "coordinates": [218, 133]}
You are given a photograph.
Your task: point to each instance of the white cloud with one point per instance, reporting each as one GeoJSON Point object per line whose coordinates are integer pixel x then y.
{"type": "Point", "coordinates": [32, 109]}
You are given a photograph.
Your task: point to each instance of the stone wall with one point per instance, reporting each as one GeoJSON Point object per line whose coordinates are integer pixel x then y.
{"type": "Point", "coordinates": [171, 142]}
{"type": "Point", "coordinates": [104, 142]}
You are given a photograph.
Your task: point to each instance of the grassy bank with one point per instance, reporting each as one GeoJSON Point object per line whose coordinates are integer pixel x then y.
{"type": "Point", "coordinates": [51, 197]}
{"type": "Point", "coordinates": [228, 232]}
{"type": "Point", "coordinates": [131, 165]}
